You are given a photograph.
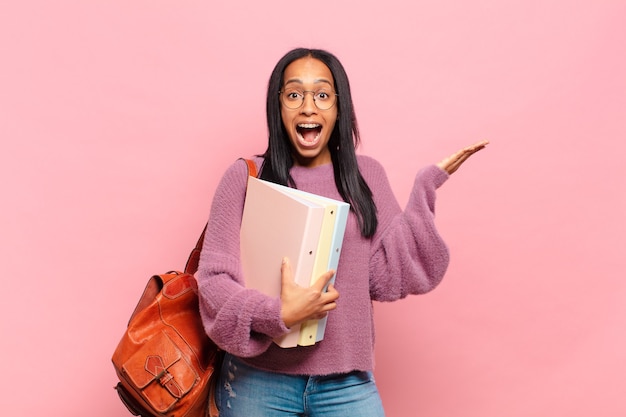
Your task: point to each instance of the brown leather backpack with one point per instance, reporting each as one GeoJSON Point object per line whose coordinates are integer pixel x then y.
{"type": "Point", "coordinates": [166, 364]}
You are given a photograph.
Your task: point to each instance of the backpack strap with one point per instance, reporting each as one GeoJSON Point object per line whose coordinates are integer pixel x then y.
{"type": "Point", "coordinates": [194, 257]}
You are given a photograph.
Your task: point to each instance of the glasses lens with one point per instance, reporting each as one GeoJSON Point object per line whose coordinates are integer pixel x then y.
{"type": "Point", "coordinates": [324, 100]}
{"type": "Point", "coordinates": [293, 99]}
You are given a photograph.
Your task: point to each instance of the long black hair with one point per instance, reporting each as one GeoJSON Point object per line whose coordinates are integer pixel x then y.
{"type": "Point", "coordinates": [278, 158]}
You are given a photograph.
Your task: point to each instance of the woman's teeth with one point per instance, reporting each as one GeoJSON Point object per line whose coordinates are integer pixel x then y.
{"type": "Point", "coordinates": [309, 133]}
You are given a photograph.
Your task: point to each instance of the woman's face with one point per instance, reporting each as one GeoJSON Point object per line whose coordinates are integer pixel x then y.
{"type": "Point", "coordinates": [308, 127]}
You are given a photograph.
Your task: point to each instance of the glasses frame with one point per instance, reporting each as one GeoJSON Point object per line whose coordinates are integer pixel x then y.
{"type": "Point", "coordinates": [280, 95]}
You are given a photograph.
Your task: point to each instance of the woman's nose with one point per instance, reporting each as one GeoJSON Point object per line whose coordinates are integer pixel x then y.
{"type": "Point", "coordinates": [308, 105]}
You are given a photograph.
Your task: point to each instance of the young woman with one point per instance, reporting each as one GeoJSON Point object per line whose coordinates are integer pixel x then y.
{"type": "Point", "coordinates": [387, 254]}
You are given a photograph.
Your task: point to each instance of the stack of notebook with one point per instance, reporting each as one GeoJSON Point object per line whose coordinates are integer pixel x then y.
{"type": "Point", "coordinates": [282, 222]}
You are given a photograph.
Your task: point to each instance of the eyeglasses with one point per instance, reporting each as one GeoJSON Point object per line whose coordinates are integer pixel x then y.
{"type": "Point", "coordinates": [294, 98]}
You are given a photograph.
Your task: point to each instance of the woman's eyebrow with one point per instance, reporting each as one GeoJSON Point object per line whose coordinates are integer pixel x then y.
{"type": "Point", "coordinates": [317, 81]}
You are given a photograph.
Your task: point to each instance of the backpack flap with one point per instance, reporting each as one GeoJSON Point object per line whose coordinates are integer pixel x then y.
{"type": "Point", "coordinates": [159, 371]}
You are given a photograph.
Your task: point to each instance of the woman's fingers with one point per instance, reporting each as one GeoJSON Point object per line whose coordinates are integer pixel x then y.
{"type": "Point", "coordinates": [299, 303]}
{"type": "Point", "coordinates": [454, 161]}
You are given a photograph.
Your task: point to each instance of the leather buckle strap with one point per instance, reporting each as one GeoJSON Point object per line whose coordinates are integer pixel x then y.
{"type": "Point", "coordinates": [156, 367]}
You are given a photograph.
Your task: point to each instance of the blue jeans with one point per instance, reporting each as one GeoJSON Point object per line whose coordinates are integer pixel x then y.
{"type": "Point", "coordinates": [245, 391]}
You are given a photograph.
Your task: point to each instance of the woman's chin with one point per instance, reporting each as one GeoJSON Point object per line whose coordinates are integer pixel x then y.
{"type": "Point", "coordinates": [312, 156]}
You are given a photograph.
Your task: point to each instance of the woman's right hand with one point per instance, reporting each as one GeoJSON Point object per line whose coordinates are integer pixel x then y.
{"type": "Point", "coordinates": [299, 304]}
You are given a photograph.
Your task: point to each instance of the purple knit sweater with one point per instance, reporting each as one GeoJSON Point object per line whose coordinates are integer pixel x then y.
{"type": "Point", "coordinates": [405, 256]}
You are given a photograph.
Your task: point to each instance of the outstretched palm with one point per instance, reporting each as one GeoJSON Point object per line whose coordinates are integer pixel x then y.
{"type": "Point", "coordinates": [454, 161]}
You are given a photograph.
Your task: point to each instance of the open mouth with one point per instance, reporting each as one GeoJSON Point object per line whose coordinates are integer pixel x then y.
{"type": "Point", "coordinates": [309, 133]}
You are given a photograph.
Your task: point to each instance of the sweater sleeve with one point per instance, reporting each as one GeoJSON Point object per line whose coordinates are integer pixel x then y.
{"type": "Point", "coordinates": [239, 320]}
{"type": "Point", "coordinates": [408, 254]}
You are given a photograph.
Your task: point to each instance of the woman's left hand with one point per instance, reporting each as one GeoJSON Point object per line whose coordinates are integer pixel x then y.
{"type": "Point", "coordinates": [454, 161]}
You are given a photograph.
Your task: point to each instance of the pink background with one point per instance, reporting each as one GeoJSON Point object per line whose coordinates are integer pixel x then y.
{"type": "Point", "coordinates": [117, 119]}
